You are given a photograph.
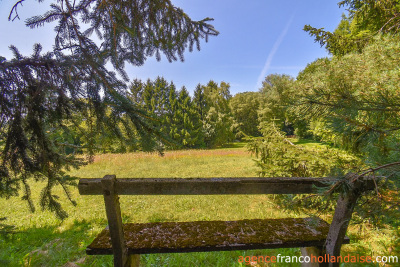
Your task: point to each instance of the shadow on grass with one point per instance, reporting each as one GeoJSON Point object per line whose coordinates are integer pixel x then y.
{"type": "Point", "coordinates": [49, 246]}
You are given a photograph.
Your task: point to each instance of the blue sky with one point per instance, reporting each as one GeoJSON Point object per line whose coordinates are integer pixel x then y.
{"type": "Point", "coordinates": [257, 38]}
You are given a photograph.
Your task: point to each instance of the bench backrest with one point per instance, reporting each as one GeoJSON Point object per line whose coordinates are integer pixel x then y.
{"type": "Point", "coordinates": [207, 186]}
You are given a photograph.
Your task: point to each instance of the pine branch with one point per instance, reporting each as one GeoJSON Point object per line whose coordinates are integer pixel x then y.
{"type": "Point", "coordinates": [43, 62]}
{"type": "Point", "coordinates": [372, 170]}
{"type": "Point", "coordinates": [14, 9]}
{"type": "Point", "coordinates": [41, 95]}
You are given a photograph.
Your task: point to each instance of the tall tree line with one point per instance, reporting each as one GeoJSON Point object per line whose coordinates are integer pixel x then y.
{"type": "Point", "coordinates": [204, 120]}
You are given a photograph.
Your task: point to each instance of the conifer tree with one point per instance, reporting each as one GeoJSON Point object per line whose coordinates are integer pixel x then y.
{"type": "Point", "coordinates": [172, 120]}
{"type": "Point", "coordinates": [366, 19]}
{"type": "Point", "coordinates": [136, 90]}
{"type": "Point", "coordinates": [190, 124]}
{"type": "Point", "coordinates": [354, 94]}
{"type": "Point", "coordinates": [170, 107]}
{"type": "Point", "coordinates": [199, 101]}
{"type": "Point", "coordinates": [40, 93]}
{"type": "Point", "coordinates": [354, 97]}
{"type": "Point", "coordinates": [160, 97]}
{"type": "Point", "coordinates": [149, 100]}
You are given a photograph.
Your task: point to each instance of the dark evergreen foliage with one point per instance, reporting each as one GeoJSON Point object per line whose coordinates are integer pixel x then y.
{"type": "Point", "coordinates": [199, 101]}
{"type": "Point", "coordinates": [191, 132]}
{"type": "Point", "coordinates": [48, 101]}
{"type": "Point", "coordinates": [202, 121]}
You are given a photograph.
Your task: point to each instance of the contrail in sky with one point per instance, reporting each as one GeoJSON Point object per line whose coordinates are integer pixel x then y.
{"type": "Point", "coordinates": [271, 55]}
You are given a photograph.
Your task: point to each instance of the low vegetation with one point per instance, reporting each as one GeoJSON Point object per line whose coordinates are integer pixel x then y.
{"type": "Point", "coordinates": [42, 239]}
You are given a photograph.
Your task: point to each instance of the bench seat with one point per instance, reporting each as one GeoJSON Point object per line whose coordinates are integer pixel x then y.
{"type": "Point", "coordinates": [200, 236]}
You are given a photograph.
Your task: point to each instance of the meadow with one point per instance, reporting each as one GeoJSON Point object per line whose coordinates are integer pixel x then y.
{"type": "Point", "coordinates": [43, 240]}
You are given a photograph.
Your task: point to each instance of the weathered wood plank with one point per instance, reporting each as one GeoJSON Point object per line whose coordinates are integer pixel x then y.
{"type": "Point", "coordinates": [176, 237]}
{"type": "Point", "coordinates": [113, 211]}
{"type": "Point", "coordinates": [207, 186]}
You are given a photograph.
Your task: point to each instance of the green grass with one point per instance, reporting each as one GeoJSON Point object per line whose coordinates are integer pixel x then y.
{"type": "Point", "coordinates": [225, 162]}
{"type": "Point", "coordinates": [43, 240]}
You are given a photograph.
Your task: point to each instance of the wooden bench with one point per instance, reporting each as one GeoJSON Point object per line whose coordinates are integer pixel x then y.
{"type": "Point", "coordinates": [127, 241]}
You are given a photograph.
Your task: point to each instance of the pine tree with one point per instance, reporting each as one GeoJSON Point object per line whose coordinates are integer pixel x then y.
{"type": "Point", "coordinates": [176, 115]}
{"type": "Point", "coordinates": [149, 100]}
{"type": "Point", "coordinates": [161, 103]}
{"type": "Point", "coordinates": [136, 89]}
{"type": "Point", "coordinates": [353, 97]}
{"type": "Point", "coordinates": [172, 120]}
{"type": "Point", "coordinates": [357, 97]}
{"type": "Point", "coordinates": [199, 101]}
{"type": "Point", "coordinates": [40, 94]}
{"type": "Point", "coordinates": [366, 19]}
{"type": "Point", "coordinates": [190, 124]}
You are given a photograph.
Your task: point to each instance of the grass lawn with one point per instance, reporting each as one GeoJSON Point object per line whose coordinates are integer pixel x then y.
{"type": "Point", "coordinates": [43, 240]}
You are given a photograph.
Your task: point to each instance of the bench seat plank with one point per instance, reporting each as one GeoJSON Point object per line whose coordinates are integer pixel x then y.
{"type": "Point", "coordinates": [200, 236]}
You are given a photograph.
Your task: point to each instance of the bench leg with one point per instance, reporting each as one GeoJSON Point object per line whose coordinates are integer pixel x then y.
{"type": "Point", "coordinates": [113, 211]}
{"type": "Point", "coordinates": [133, 260]}
{"type": "Point", "coordinates": [311, 252]}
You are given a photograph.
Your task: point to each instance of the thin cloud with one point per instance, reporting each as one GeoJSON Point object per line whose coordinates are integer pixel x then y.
{"type": "Point", "coordinates": [271, 55]}
{"type": "Point", "coordinates": [240, 66]}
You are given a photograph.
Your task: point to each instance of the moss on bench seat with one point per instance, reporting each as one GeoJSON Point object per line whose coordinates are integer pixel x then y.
{"type": "Point", "coordinates": [169, 237]}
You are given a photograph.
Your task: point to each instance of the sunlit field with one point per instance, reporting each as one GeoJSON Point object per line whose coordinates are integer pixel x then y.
{"type": "Point", "coordinates": [43, 240]}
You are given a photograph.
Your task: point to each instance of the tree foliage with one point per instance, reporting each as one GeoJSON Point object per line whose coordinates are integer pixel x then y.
{"type": "Point", "coordinates": [277, 156]}
{"type": "Point", "coordinates": [189, 130]}
{"type": "Point", "coordinates": [366, 19]}
{"type": "Point", "coordinates": [245, 108]}
{"type": "Point", "coordinates": [202, 121]}
{"type": "Point", "coordinates": [374, 15]}
{"type": "Point", "coordinates": [199, 101]}
{"type": "Point", "coordinates": [358, 97]}
{"type": "Point", "coordinates": [277, 94]}
{"type": "Point", "coordinates": [41, 94]}
{"type": "Point", "coordinates": [352, 98]}
{"type": "Point", "coordinates": [218, 120]}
